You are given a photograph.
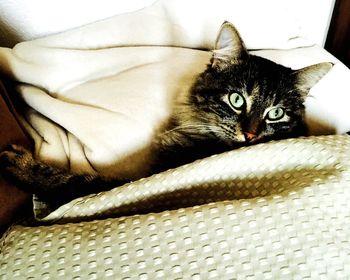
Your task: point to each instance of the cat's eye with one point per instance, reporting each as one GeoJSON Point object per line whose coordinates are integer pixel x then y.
{"type": "Point", "coordinates": [275, 114]}
{"type": "Point", "coordinates": [236, 100]}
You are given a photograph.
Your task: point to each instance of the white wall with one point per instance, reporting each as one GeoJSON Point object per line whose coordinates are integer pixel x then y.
{"type": "Point", "coordinates": [314, 17]}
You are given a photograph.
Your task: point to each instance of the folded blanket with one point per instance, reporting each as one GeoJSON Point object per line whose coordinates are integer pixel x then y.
{"type": "Point", "coordinates": [250, 173]}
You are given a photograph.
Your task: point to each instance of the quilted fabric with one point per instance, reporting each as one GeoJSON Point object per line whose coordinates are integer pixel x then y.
{"type": "Point", "coordinates": [272, 211]}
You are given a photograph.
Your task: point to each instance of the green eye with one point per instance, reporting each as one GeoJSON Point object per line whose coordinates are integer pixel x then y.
{"type": "Point", "coordinates": [275, 114]}
{"type": "Point", "coordinates": [236, 100]}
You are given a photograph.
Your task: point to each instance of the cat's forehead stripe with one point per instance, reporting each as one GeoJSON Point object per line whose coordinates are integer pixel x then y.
{"type": "Point", "coordinates": [254, 94]}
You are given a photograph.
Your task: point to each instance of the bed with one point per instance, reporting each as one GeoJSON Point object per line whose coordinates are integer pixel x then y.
{"type": "Point", "coordinates": [94, 96]}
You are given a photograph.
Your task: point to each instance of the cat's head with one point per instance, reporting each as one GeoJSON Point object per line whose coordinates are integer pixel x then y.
{"type": "Point", "coordinates": [243, 98]}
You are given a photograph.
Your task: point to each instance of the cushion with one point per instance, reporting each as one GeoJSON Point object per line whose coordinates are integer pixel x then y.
{"type": "Point", "coordinates": [152, 24]}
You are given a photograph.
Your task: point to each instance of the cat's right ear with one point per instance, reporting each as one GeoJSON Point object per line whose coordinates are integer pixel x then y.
{"type": "Point", "coordinates": [307, 77]}
{"type": "Point", "coordinates": [229, 47]}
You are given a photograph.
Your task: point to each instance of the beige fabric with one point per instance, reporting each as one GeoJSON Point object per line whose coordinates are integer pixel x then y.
{"type": "Point", "coordinates": [272, 211]}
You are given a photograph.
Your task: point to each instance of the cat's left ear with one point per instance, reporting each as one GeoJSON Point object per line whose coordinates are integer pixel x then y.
{"type": "Point", "coordinates": [229, 47]}
{"type": "Point", "coordinates": [307, 77]}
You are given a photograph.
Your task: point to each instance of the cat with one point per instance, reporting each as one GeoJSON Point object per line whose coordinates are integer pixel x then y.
{"type": "Point", "coordinates": [240, 99]}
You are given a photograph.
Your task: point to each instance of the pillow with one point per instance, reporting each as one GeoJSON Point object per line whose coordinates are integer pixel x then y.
{"type": "Point", "coordinates": [188, 24]}
{"type": "Point", "coordinates": [22, 21]}
{"type": "Point", "coordinates": [272, 21]}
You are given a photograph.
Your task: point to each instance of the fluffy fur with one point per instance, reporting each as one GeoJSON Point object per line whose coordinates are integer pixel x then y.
{"type": "Point", "coordinates": [240, 99]}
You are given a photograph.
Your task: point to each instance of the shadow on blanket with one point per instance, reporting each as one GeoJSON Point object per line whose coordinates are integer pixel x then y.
{"type": "Point", "coordinates": [254, 187]}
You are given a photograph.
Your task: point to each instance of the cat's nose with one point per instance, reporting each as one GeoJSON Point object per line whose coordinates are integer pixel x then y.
{"type": "Point", "coordinates": [249, 136]}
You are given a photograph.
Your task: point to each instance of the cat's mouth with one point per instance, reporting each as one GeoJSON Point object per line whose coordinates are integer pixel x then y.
{"type": "Point", "coordinates": [241, 140]}
{"type": "Point", "coordinates": [262, 139]}
{"type": "Point", "coordinates": [245, 139]}
{"type": "Point", "coordinates": [253, 138]}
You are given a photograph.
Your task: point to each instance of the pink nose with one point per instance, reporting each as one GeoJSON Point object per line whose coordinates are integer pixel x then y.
{"type": "Point", "coordinates": [249, 136]}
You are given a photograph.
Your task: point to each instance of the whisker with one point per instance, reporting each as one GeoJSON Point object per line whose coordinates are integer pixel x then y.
{"type": "Point", "coordinates": [195, 128]}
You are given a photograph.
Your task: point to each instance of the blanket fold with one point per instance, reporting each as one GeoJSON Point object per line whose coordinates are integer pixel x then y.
{"type": "Point", "coordinates": [268, 171]}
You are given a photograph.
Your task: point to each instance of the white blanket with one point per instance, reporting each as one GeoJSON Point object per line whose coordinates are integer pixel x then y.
{"type": "Point", "coordinates": [96, 94]}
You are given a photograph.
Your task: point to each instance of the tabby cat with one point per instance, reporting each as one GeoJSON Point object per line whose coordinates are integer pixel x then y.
{"type": "Point", "coordinates": [240, 99]}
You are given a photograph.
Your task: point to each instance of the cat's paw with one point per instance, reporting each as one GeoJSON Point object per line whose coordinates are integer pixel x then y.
{"type": "Point", "coordinates": [15, 159]}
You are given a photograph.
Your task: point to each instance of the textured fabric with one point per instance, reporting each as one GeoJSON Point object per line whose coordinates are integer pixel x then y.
{"type": "Point", "coordinates": [272, 211]}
